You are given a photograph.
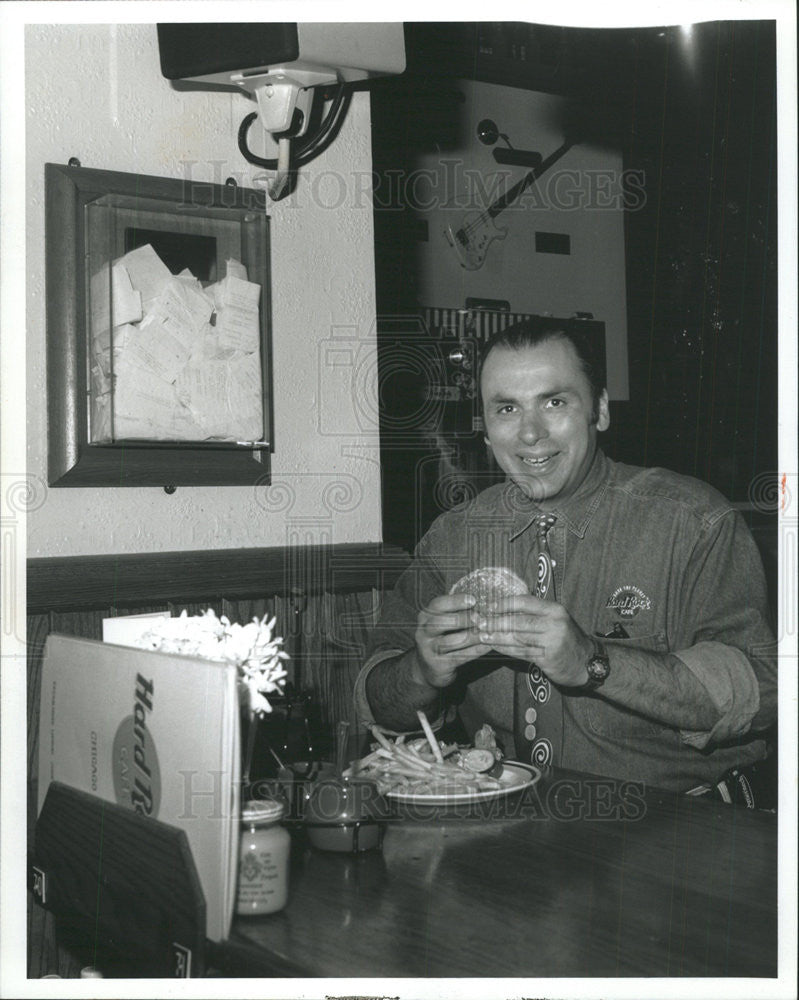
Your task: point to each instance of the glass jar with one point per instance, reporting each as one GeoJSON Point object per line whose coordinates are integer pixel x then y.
{"type": "Point", "coordinates": [263, 859]}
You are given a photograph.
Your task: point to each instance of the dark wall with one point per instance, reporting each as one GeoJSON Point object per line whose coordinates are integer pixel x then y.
{"type": "Point", "coordinates": [702, 262]}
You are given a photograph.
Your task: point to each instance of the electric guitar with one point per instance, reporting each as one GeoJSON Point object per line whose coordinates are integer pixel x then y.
{"type": "Point", "coordinates": [473, 237]}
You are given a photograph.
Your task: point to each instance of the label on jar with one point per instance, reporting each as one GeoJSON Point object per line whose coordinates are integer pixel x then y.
{"type": "Point", "coordinates": [263, 874]}
{"type": "Point", "coordinates": [257, 870]}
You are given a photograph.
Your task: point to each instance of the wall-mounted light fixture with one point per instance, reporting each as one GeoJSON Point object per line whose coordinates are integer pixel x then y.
{"type": "Point", "coordinates": [488, 133]}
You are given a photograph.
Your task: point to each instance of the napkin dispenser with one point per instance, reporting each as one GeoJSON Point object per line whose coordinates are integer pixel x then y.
{"type": "Point", "coordinates": [121, 885]}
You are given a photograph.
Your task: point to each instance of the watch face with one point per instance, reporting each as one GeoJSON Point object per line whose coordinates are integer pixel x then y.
{"type": "Point", "coordinates": [598, 668]}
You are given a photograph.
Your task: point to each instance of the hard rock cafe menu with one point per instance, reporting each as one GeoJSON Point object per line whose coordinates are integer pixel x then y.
{"type": "Point", "coordinates": [154, 732]}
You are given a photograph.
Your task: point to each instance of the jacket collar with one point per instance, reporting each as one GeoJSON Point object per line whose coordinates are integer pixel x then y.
{"type": "Point", "coordinates": [576, 511]}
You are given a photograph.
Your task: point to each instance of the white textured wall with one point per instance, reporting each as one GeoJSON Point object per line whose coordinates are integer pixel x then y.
{"type": "Point", "coordinates": [96, 92]}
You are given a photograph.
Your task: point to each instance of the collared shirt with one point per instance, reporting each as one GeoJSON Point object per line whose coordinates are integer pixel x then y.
{"type": "Point", "coordinates": [664, 557]}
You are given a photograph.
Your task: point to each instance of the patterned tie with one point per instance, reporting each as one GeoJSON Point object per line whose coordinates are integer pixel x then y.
{"type": "Point", "coordinates": [538, 712]}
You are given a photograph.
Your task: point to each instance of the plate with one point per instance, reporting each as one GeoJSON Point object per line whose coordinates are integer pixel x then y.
{"type": "Point", "coordinates": [514, 778]}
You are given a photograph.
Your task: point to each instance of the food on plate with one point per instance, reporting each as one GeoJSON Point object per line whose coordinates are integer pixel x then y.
{"type": "Point", "coordinates": [427, 766]}
{"type": "Point", "coordinates": [491, 583]}
{"type": "Point", "coordinates": [486, 739]}
{"type": "Point", "coordinates": [479, 761]}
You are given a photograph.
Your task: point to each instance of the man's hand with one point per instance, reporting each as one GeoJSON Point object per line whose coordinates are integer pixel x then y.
{"type": "Point", "coordinates": [539, 631]}
{"type": "Point", "coordinates": [446, 637]}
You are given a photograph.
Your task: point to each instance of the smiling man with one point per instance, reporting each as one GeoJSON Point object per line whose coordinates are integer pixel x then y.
{"type": "Point", "coordinates": [542, 416]}
{"type": "Point", "coordinates": [642, 650]}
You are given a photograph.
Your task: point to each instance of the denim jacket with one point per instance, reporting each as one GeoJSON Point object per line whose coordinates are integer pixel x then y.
{"type": "Point", "coordinates": [661, 555]}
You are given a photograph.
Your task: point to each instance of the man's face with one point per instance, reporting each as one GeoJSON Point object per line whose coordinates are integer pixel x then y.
{"type": "Point", "coordinates": [539, 417]}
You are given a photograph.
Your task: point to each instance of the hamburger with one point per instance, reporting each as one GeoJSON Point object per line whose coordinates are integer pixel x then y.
{"type": "Point", "coordinates": [489, 584]}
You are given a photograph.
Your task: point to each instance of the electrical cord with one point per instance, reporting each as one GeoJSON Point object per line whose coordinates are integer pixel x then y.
{"type": "Point", "coordinates": [309, 147]}
{"type": "Point", "coordinates": [329, 128]}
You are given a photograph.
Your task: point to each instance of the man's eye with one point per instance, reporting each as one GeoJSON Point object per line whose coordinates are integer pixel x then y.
{"type": "Point", "coordinates": [556, 402]}
{"type": "Point", "coordinates": [507, 408]}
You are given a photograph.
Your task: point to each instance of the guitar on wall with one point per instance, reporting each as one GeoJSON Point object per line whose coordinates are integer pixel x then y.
{"type": "Point", "coordinates": [474, 236]}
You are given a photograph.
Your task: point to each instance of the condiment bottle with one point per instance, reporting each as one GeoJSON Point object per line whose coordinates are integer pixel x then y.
{"type": "Point", "coordinates": [263, 858]}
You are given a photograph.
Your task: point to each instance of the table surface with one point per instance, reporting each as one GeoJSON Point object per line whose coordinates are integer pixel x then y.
{"type": "Point", "coordinates": [576, 876]}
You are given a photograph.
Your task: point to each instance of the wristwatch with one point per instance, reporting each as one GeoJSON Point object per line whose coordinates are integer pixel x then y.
{"type": "Point", "coordinates": [598, 667]}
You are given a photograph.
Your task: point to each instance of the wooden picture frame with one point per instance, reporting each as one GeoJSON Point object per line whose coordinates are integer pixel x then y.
{"type": "Point", "coordinates": [72, 460]}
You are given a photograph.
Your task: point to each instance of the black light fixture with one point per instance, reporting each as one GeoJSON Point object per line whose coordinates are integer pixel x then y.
{"type": "Point", "coordinates": [488, 133]}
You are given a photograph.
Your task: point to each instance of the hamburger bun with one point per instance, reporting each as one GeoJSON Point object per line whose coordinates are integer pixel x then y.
{"type": "Point", "coordinates": [490, 584]}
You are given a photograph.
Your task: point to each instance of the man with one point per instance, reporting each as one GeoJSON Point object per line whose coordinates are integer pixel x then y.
{"type": "Point", "coordinates": [654, 660]}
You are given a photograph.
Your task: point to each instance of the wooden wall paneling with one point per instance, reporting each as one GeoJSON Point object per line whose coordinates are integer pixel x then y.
{"type": "Point", "coordinates": [243, 610]}
{"type": "Point", "coordinates": [141, 609]}
{"type": "Point", "coordinates": [337, 640]}
{"type": "Point", "coordinates": [195, 607]}
{"type": "Point", "coordinates": [358, 621]}
{"type": "Point", "coordinates": [85, 623]}
{"type": "Point", "coordinates": [334, 641]}
{"type": "Point", "coordinates": [300, 612]}
{"type": "Point", "coordinates": [309, 642]}
{"type": "Point", "coordinates": [125, 581]}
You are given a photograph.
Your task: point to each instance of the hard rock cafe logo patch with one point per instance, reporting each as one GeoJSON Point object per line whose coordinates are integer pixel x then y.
{"type": "Point", "coordinates": [628, 601]}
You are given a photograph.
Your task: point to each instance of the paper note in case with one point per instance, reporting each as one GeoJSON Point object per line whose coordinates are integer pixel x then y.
{"type": "Point", "coordinates": [153, 333]}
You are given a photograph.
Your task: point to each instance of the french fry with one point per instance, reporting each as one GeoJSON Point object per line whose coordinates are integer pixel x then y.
{"type": "Point", "coordinates": [412, 759]}
{"type": "Point", "coordinates": [381, 739]}
{"type": "Point", "coordinates": [430, 737]}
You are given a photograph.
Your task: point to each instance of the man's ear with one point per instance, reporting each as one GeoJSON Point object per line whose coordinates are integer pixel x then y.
{"type": "Point", "coordinates": [603, 412]}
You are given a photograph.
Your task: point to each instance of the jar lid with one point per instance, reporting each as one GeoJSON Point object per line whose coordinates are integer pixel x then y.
{"type": "Point", "coordinates": [262, 810]}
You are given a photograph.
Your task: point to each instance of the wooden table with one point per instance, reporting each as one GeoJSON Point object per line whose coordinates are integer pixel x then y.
{"type": "Point", "coordinates": [582, 877]}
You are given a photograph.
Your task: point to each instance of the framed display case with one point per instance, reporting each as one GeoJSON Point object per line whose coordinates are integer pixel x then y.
{"type": "Point", "coordinates": [158, 331]}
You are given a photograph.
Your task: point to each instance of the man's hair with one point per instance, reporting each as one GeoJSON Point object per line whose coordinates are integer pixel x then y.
{"type": "Point", "coordinates": [540, 329]}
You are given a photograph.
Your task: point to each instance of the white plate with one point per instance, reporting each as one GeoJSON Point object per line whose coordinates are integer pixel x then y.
{"type": "Point", "coordinates": [514, 778]}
